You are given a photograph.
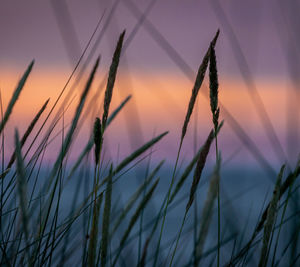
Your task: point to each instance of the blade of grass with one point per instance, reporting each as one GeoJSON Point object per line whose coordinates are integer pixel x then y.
{"type": "Point", "coordinates": [94, 233]}
{"type": "Point", "coordinates": [207, 213]}
{"type": "Point", "coordinates": [106, 221]}
{"type": "Point", "coordinates": [90, 143]}
{"type": "Point", "coordinates": [70, 133]}
{"type": "Point", "coordinates": [22, 190]}
{"type": "Point", "coordinates": [197, 175]}
{"type": "Point", "coordinates": [195, 90]}
{"type": "Point", "coordinates": [15, 96]}
{"type": "Point", "coordinates": [27, 132]}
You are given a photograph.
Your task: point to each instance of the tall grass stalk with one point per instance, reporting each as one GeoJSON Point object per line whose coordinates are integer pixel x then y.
{"type": "Point", "coordinates": [15, 96]}
{"type": "Point", "coordinates": [91, 140]}
{"type": "Point", "coordinates": [106, 220]}
{"type": "Point", "coordinates": [206, 214]}
{"type": "Point", "coordinates": [213, 86]}
{"type": "Point", "coordinates": [195, 90]}
{"type": "Point", "coordinates": [22, 190]}
{"type": "Point", "coordinates": [75, 120]}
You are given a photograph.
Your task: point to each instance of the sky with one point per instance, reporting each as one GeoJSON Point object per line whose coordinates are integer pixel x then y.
{"type": "Point", "coordinates": [257, 56]}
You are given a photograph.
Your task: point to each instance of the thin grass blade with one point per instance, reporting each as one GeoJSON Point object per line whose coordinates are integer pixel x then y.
{"type": "Point", "coordinates": [22, 192]}
{"type": "Point", "coordinates": [207, 213]}
{"type": "Point", "coordinates": [27, 133]}
{"type": "Point", "coordinates": [94, 232]}
{"type": "Point", "coordinates": [106, 220]}
{"type": "Point", "coordinates": [199, 168]}
{"type": "Point", "coordinates": [15, 96]}
{"type": "Point", "coordinates": [68, 139]}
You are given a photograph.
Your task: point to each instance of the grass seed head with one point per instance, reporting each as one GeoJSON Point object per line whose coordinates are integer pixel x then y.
{"type": "Point", "coordinates": [213, 86]}
{"type": "Point", "coordinates": [97, 139]}
{"type": "Point", "coordinates": [197, 85]}
{"type": "Point", "coordinates": [111, 79]}
{"type": "Point", "coordinates": [199, 168]}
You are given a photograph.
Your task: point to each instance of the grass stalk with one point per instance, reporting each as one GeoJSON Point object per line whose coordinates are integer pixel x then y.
{"type": "Point", "coordinates": [106, 221]}
{"type": "Point", "coordinates": [197, 175]}
{"type": "Point", "coordinates": [15, 96]}
{"type": "Point", "coordinates": [198, 82]}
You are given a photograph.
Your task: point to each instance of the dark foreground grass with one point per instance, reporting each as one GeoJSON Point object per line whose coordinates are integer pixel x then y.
{"type": "Point", "coordinates": [96, 230]}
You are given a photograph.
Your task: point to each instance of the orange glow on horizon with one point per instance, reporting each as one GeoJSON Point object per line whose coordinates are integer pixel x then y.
{"type": "Point", "coordinates": [160, 100]}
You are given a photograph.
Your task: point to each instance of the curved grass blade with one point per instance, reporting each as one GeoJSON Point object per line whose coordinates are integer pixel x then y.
{"type": "Point", "coordinates": [90, 143]}
{"type": "Point", "coordinates": [27, 133]}
{"type": "Point", "coordinates": [207, 213]}
{"type": "Point", "coordinates": [94, 232]}
{"type": "Point", "coordinates": [197, 175]}
{"type": "Point", "coordinates": [117, 110]}
{"type": "Point", "coordinates": [2, 175]}
{"type": "Point", "coordinates": [15, 96]}
{"type": "Point", "coordinates": [68, 139]}
{"type": "Point", "coordinates": [197, 85]}
{"type": "Point", "coordinates": [22, 191]}
{"type": "Point", "coordinates": [199, 168]}
{"type": "Point", "coordinates": [138, 152]}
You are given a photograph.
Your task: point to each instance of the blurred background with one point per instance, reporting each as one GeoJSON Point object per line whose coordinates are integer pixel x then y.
{"type": "Point", "coordinates": [258, 66]}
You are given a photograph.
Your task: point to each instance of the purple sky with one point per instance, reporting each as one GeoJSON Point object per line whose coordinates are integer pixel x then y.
{"type": "Point", "coordinates": [30, 29]}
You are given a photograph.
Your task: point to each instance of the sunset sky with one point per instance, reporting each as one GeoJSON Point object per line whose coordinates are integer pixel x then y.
{"type": "Point", "coordinates": [256, 53]}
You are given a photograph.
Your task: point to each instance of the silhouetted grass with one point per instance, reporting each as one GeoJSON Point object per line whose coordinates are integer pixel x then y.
{"type": "Point", "coordinates": [36, 230]}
